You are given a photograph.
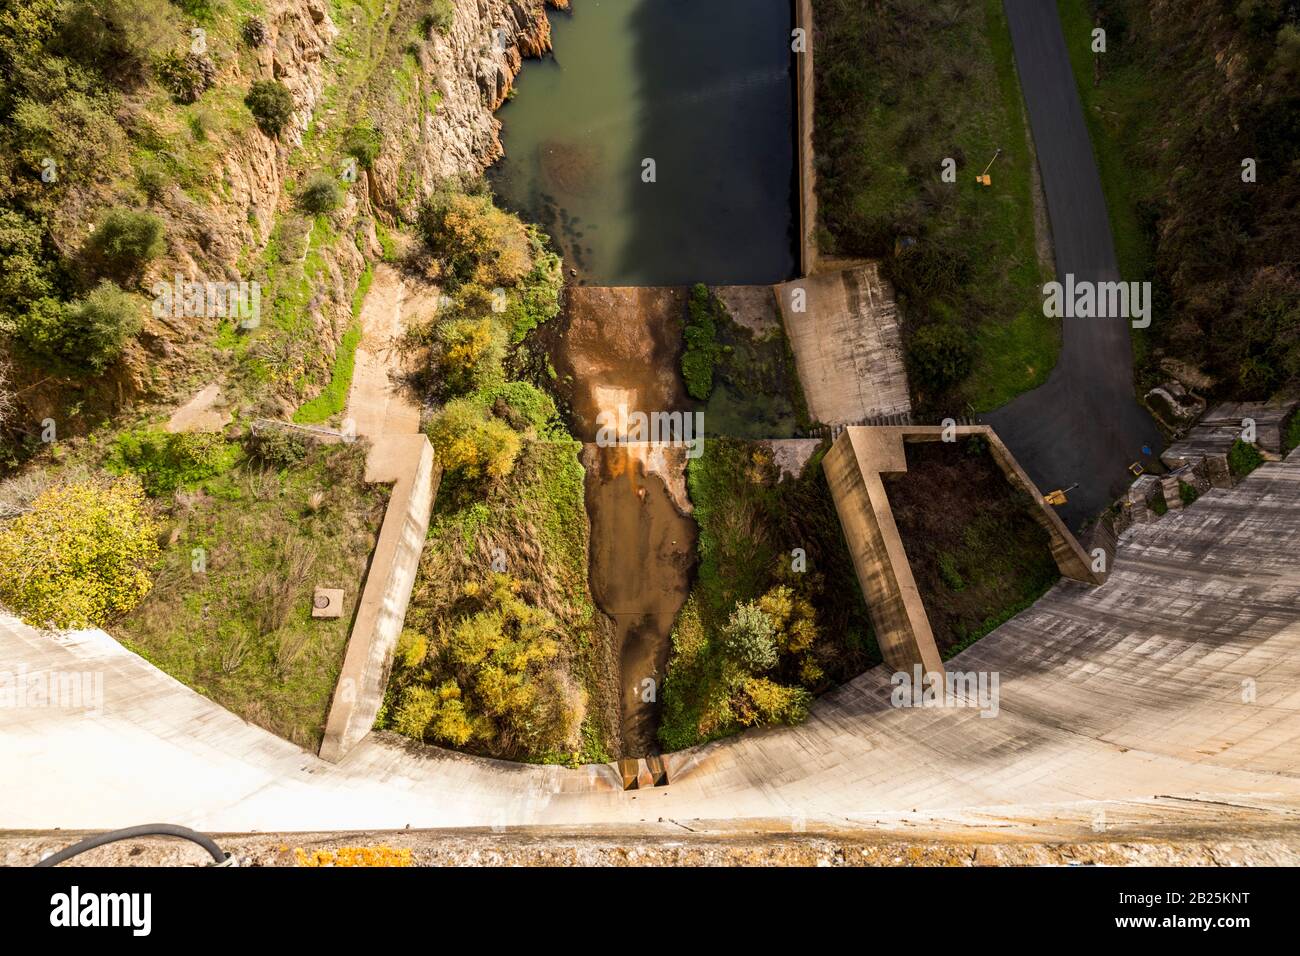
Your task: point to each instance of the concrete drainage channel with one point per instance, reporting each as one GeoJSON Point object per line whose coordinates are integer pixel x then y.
{"type": "Point", "coordinates": [643, 773]}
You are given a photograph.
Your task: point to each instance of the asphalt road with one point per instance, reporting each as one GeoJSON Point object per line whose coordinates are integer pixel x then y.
{"type": "Point", "coordinates": [1084, 424]}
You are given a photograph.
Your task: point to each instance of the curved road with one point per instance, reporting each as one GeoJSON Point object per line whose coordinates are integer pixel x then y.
{"type": "Point", "coordinates": [1084, 425]}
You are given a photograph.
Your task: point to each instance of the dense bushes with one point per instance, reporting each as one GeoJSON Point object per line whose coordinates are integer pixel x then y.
{"type": "Point", "coordinates": [761, 631]}
{"type": "Point", "coordinates": [271, 104]}
{"type": "Point", "coordinates": [164, 461]}
{"type": "Point", "coordinates": [88, 334]}
{"type": "Point", "coordinates": [476, 241]}
{"type": "Point", "coordinates": [80, 557]}
{"type": "Point", "coordinates": [504, 692]}
{"type": "Point", "coordinates": [1219, 251]}
{"type": "Point", "coordinates": [124, 243]}
{"type": "Point", "coordinates": [701, 352]}
{"type": "Point", "coordinates": [940, 357]}
{"type": "Point", "coordinates": [473, 443]}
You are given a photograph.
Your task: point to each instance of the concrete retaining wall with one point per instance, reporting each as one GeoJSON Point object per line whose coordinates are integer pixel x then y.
{"type": "Point", "coordinates": [407, 461]}
{"type": "Point", "coordinates": [805, 98]}
{"type": "Point", "coordinates": [853, 467]}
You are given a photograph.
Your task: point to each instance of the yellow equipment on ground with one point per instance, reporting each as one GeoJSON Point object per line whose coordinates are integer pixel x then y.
{"type": "Point", "coordinates": [984, 179]}
{"type": "Point", "coordinates": [1057, 497]}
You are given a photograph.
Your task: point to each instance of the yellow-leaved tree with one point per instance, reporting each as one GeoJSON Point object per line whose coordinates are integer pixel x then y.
{"type": "Point", "coordinates": [81, 557]}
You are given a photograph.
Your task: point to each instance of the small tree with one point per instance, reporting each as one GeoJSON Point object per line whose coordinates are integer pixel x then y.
{"type": "Point", "coordinates": [124, 243]}
{"type": "Point", "coordinates": [81, 557]}
{"type": "Point", "coordinates": [321, 194]}
{"type": "Point", "coordinates": [750, 638]}
{"type": "Point", "coordinates": [90, 334]}
{"type": "Point", "coordinates": [470, 353]}
{"type": "Point", "coordinates": [472, 443]}
{"type": "Point", "coordinates": [271, 104]}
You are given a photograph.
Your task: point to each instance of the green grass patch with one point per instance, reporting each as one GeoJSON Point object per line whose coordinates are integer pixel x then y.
{"type": "Point", "coordinates": [756, 534]}
{"type": "Point", "coordinates": [976, 552]}
{"type": "Point", "coordinates": [903, 86]}
{"type": "Point", "coordinates": [230, 611]}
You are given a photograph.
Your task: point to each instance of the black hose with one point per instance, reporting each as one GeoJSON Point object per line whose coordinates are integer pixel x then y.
{"type": "Point", "coordinates": [147, 829]}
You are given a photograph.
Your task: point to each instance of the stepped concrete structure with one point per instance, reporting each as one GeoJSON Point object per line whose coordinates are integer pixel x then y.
{"type": "Point", "coordinates": [1166, 699]}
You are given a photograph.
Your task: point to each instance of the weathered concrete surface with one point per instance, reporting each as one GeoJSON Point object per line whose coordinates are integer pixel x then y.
{"type": "Point", "coordinates": [1122, 706]}
{"type": "Point", "coordinates": [1221, 426]}
{"type": "Point", "coordinates": [847, 345]}
{"type": "Point", "coordinates": [381, 411]}
{"type": "Point", "coordinates": [407, 462]}
{"type": "Point", "coordinates": [853, 469]}
{"type": "Point", "coordinates": [377, 403]}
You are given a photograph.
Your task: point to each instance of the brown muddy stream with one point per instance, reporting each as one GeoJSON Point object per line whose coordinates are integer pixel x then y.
{"type": "Point", "coordinates": [622, 347]}
{"type": "Point", "coordinates": [642, 554]}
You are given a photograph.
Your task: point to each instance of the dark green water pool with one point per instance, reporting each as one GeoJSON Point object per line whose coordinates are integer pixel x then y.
{"type": "Point", "coordinates": [702, 87]}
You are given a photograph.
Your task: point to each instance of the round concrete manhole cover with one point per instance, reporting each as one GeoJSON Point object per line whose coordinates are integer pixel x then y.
{"type": "Point", "coordinates": [322, 601]}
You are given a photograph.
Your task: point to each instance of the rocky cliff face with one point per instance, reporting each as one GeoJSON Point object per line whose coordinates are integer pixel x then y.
{"type": "Point", "coordinates": [469, 73]}
{"type": "Point", "coordinates": [443, 127]}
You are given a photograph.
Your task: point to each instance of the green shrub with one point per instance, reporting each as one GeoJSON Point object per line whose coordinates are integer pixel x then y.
{"type": "Point", "coordinates": [940, 357]}
{"type": "Point", "coordinates": [321, 194]}
{"type": "Point", "coordinates": [701, 353]}
{"type": "Point", "coordinates": [187, 76]}
{"type": "Point", "coordinates": [1186, 493]}
{"type": "Point", "coordinates": [81, 557]}
{"type": "Point", "coordinates": [524, 407]}
{"type": "Point", "coordinates": [165, 461]}
{"type": "Point", "coordinates": [124, 243]}
{"type": "Point", "coordinates": [441, 17]}
{"type": "Point", "coordinates": [277, 447]}
{"type": "Point", "coordinates": [750, 638]}
{"type": "Point", "coordinates": [1243, 458]}
{"type": "Point", "coordinates": [363, 144]}
{"type": "Point", "coordinates": [1159, 505]}
{"type": "Point", "coordinates": [473, 444]}
{"type": "Point", "coordinates": [271, 104]}
{"type": "Point", "coordinates": [89, 334]}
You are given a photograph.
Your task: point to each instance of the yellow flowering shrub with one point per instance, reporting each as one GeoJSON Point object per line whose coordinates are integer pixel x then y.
{"type": "Point", "coordinates": [81, 556]}
{"type": "Point", "coordinates": [381, 855]}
